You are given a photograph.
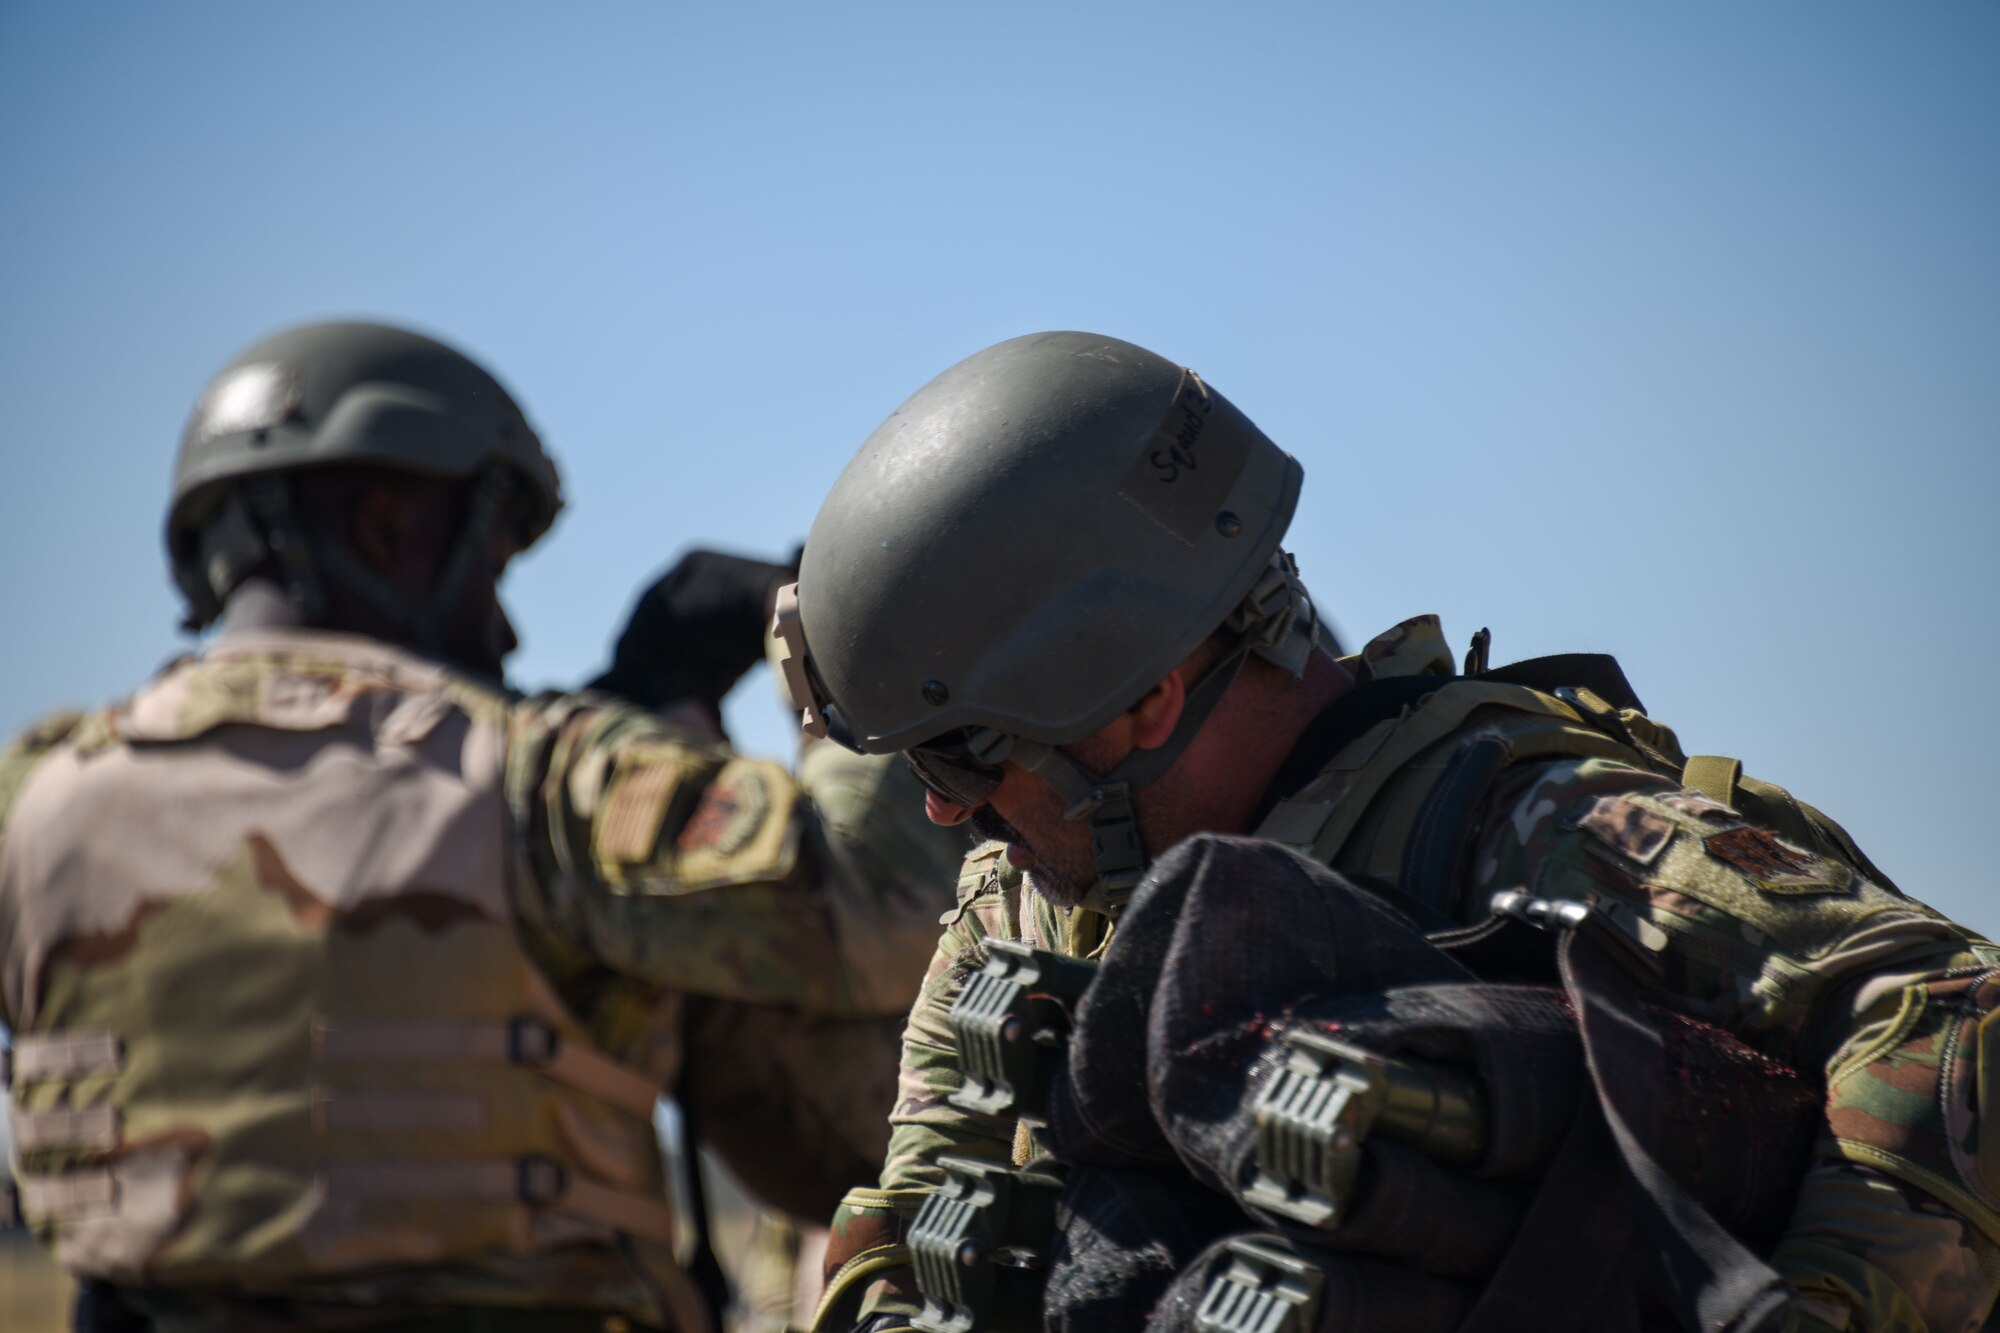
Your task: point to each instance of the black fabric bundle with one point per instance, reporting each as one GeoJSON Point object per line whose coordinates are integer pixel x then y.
{"type": "Point", "coordinates": [1232, 944]}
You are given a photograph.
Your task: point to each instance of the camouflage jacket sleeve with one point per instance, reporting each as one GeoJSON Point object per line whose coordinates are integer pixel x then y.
{"type": "Point", "coordinates": [924, 1124]}
{"type": "Point", "coordinates": [798, 1105]}
{"type": "Point", "coordinates": [16, 762]}
{"type": "Point", "coordinates": [1811, 962]}
{"type": "Point", "coordinates": [867, 1265]}
{"type": "Point", "coordinates": [644, 851]}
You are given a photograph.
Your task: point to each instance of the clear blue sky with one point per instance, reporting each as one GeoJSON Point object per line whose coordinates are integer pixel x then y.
{"type": "Point", "coordinates": [1672, 331]}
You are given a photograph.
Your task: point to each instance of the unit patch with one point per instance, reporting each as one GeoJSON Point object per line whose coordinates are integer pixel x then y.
{"type": "Point", "coordinates": [1774, 865]}
{"type": "Point", "coordinates": [1628, 828]}
{"type": "Point", "coordinates": [727, 816]}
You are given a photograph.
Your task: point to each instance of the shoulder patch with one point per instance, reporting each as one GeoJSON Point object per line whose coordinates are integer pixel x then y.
{"type": "Point", "coordinates": [1774, 865]}
{"type": "Point", "coordinates": [629, 828]}
{"type": "Point", "coordinates": [727, 815]}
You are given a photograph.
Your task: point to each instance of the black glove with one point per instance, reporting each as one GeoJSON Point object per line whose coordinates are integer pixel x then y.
{"type": "Point", "coordinates": [696, 631]}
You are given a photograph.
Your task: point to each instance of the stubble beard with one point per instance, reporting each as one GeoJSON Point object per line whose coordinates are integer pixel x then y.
{"type": "Point", "coordinates": [1052, 884]}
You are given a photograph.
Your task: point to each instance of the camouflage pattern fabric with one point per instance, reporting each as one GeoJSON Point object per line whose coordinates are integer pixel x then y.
{"type": "Point", "coordinates": [340, 980]}
{"type": "Point", "coordinates": [1799, 954]}
{"type": "Point", "coordinates": [848, 1064]}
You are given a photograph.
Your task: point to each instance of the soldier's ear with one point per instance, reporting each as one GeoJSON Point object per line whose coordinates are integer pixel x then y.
{"type": "Point", "coordinates": [1156, 715]}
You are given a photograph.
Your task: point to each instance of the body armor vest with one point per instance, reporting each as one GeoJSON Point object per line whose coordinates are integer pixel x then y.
{"type": "Point", "coordinates": [1394, 805]}
{"type": "Point", "coordinates": [278, 1027]}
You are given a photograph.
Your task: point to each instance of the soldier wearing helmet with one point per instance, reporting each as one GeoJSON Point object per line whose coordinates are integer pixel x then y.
{"type": "Point", "coordinates": [1053, 580]}
{"type": "Point", "coordinates": [344, 981]}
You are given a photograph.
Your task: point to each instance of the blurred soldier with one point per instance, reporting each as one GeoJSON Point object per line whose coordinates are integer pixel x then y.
{"type": "Point", "coordinates": [1142, 666]}
{"type": "Point", "coordinates": [344, 981]}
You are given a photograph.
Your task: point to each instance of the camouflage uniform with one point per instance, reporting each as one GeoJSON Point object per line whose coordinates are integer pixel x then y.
{"type": "Point", "coordinates": [777, 1275]}
{"type": "Point", "coordinates": [1804, 955]}
{"type": "Point", "coordinates": [339, 980]}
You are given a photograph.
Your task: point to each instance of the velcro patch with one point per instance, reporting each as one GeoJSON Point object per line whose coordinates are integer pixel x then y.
{"type": "Point", "coordinates": [1628, 828]}
{"type": "Point", "coordinates": [629, 829]}
{"type": "Point", "coordinates": [1774, 865]}
{"type": "Point", "coordinates": [727, 816]}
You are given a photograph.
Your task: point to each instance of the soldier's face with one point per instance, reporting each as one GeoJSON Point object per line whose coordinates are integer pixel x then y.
{"type": "Point", "coordinates": [1026, 813]}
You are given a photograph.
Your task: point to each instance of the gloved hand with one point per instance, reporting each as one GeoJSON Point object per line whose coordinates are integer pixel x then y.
{"type": "Point", "coordinates": [695, 631]}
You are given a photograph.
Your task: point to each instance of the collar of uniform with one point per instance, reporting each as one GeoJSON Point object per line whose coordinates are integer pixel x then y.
{"type": "Point", "coordinates": [322, 645]}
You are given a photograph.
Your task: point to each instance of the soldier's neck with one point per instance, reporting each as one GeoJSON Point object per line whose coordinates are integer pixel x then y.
{"type": "Point", "coordinates": [1233, 761]}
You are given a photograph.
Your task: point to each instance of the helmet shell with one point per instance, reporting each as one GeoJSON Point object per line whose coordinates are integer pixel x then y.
{"type": "Point", "coordinates": [352, 393]}
{"type": "Point", "coordinates": [1033, 540]}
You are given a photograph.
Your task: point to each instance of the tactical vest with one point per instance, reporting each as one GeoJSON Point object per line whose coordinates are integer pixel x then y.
{"type": "Point", "coordinates": [277, 1026]}
{"type": "Point", "coordinates": [1396, 805]}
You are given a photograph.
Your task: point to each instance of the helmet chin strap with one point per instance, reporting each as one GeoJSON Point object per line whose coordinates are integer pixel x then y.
{"type": "Point", "coordinates": [1106, 799]}
{"type": "Point", "coordinates": [1277, 622]}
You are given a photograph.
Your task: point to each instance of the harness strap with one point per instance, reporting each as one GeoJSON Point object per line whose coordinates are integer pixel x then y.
{"type": "Point", "coordinates": [71, 1195]}
{"type": "Point", "coordinates": [269, 499]}
{"type": "Point", "coordinates": [1708, 1278]}
{"type": "Point", "coordinates": [1444, 826]}
{"type": "Point", "coordinates": [1714, 776]}
{"type": "Point", "coordinates": [527, 1042]}
{"type": "Point", "coordinates": [1106, 800]}
{"type": "Point", "coordinates": [535, 1182]}
{"type": "Point", "coordinates": [94, 1127]}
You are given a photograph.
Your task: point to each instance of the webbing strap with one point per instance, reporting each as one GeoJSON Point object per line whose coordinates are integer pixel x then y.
{"type": "Point", "coordinates": [397, 1112]}
{"type": "Point", "coordinates": [1707, 1277]}
{"type": "Point", "coordinates": [1714, 776]}
{"type": "Point", "coordinates": [527, 1042]}
{"type": "Point", "coordinates": [65, 1055]}
{"type": "Point", "coordinates": [840, 1303]}
{"type": "Point", "coordinates": [1106, 800]}
{"type": "Point", "coordinates": [534, 1182]}
{"type": "Point", "coordinates": [65, 1197]}
{"type": "Point", "coordinates": [1442, 833]}
{"type": "Point", "coordinates": [48, 1131]}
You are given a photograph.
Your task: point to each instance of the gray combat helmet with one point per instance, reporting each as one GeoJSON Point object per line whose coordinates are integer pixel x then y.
{"type": "Point", "coordinates": [1030, 543]}
{"type": "Point", "coordinates": [343, 393]}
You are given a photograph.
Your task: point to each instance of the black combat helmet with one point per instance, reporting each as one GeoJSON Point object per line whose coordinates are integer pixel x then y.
{"type": "Point", "coordinates": [1024, 548]}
